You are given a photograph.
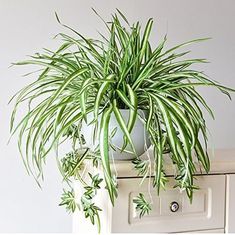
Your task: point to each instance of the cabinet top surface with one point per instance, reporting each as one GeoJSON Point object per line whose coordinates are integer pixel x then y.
{"type": "Point", "coordinates": [222, 162]}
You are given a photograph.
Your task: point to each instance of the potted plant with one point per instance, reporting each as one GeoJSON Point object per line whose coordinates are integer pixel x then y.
{"type": "Point", "coordinates": [110, 98]}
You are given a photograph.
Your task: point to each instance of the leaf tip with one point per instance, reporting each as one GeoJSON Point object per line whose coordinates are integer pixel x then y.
{"type": "Point", "coordinates": [57, 18]}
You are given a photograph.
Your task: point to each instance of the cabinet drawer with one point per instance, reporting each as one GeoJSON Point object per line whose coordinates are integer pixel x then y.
{"type": "Point", "coordinates": [206, 211]}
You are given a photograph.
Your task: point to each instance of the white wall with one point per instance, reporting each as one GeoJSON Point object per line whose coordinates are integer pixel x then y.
{"type": "Point", "coordinates": [28, 25]}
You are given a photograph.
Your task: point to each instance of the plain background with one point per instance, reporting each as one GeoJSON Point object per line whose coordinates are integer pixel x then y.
{"type": "Point", "coordinates": [26, 26]}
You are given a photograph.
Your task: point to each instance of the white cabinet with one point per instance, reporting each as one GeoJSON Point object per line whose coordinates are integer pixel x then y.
{"type": "Point", "coordinates": [212, 210]}
{"type": "Point", "coordinates": [230, 204]}
{"type": "Point", "coordinates": [205, 213]}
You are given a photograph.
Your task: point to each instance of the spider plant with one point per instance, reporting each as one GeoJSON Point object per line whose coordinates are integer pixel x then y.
{"type": "Point", "coordinates": [100, 77]}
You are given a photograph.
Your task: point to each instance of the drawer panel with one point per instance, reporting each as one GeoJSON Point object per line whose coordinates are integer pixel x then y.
{"type": "Point", "coordinates": [206, 211]}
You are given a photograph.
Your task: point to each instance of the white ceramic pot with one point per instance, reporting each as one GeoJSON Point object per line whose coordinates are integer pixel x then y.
{"type": "Point", "coordinates": [139, 136]}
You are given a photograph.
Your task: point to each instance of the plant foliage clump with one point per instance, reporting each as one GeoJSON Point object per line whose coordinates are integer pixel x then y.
{"type": "Point", "coordinates": [99, 77]}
